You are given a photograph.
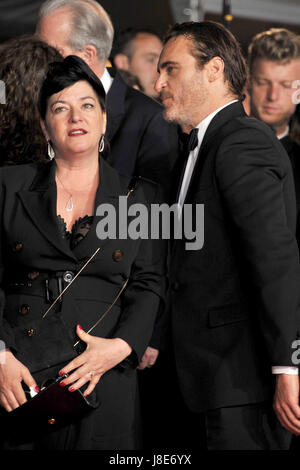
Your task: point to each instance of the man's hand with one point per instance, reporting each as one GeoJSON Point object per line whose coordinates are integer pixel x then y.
{"type": "Point", "coordinates": [149, 358]}
{"type": "Point", "coordinates": [286, 402]}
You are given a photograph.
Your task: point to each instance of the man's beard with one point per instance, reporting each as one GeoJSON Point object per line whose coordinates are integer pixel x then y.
{"type": "Point", "coordinates": [176, 114]}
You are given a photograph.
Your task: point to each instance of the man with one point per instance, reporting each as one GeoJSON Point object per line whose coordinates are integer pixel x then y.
{"type": "Point", "coordinates": [274, 65]}
{"type": "Point", "coordinates": [141, 141]}
{"type": "Point", "coordinates": [137, 51]}
{"type": "Point", "coordinates": [234, 303]}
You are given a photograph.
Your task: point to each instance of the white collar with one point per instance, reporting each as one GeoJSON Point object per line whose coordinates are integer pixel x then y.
{"type": "Point", "coordinates": [203, 125]}
{"type": "Point", "coordinates": [106, 80]}
{"type": "Point", "coordinates": [285, 133]}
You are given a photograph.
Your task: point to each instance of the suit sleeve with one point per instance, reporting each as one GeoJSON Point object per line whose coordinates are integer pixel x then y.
{"type": "Point", "coordinates": [144, 294]}
{"type": "Point", "coordinates": [252, 177]}
{"type": "Point", "coordinates": [158, 152]}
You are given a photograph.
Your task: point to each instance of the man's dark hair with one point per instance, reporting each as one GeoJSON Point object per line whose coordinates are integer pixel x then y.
{"type": "Point", "coordinates": [64, 74]}
{"type": "Point", "coordinates": [123, 43]}
{"type": "Point", "coordinates": [210, 39]}
{"type": "Point", "coordinates": [276, 44]}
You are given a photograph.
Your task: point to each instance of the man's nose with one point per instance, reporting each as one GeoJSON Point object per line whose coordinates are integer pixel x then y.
{"type": "Point", "coordinates": [159, 84]}
{"type": "Point", "coordinates": [273, 92]}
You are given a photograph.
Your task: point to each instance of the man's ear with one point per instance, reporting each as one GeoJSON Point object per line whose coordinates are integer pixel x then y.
{"type": "Point", "coordinates": [215, 68]}
{"type": "Point", "coordinates": [121, 61]}
{"type": "Point", "coordinates": [88, 54]}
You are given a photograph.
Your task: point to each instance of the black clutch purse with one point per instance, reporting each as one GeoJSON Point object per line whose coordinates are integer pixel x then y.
{"type": "Point", "coordinates": [52, 408]}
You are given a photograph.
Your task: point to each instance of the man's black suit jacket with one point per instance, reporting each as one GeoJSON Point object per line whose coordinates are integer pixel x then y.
{"type": "Point", "coordinates": [235, 303]}
{"type": "Point", "coordinates": [293, 151]}
{"type": "Point", "coordinates": [141, 141]}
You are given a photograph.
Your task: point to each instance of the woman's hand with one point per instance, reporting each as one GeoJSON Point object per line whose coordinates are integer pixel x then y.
{"type": "Point", "coordinates": [12, 373]}
{"type": "Point", "coordinates": [100, 356]}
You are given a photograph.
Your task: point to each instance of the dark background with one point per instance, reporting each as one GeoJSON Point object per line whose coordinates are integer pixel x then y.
{"type": "Point", "coordinates": [18, 17]}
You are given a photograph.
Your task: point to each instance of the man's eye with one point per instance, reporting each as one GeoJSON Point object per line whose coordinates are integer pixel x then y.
{"type": "Point", "coordinates": [287, 85]}
{"type": "Point", "coordinates": [170, 69]}
{"type": "Point", "coordinates": [261, 82]}
{"type": "Point", "coordinates": [88, 105]}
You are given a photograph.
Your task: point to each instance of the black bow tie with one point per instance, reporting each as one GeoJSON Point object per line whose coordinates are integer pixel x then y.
{"type": "Point", "coordinates": [193, 140]}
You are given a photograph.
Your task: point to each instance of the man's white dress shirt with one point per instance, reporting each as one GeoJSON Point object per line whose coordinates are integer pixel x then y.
{"type": "Point", "coordinates": [106, 80]}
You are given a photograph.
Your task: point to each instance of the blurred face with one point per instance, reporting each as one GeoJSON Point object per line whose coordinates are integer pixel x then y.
{"type": "Point", "coordinates": [74, 121]}
{"type": "Point", "coordinates": [143, 62]}
{"type": "Point", "coordinates": [182, 86]}
{"type": "Point", "coordinates": [271, 91]}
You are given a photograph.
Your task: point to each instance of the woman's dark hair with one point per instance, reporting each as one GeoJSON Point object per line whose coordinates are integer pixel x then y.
{"type": "Point", "coordinates": [64, 74]}
{"type": "Point", "coordinates": [24, 63]}
{"type": "Point", "coordinates": [210, 39]}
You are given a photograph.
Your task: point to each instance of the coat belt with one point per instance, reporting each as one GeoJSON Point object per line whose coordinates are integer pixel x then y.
{"type": "Point", "coordinates": [50, 285]}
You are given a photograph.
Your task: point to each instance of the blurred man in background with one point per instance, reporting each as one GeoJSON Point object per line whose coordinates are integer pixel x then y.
{"type": "Point", "coordinates": [138, 51]}
{"type": "Point", "coordinates": [274, 65]}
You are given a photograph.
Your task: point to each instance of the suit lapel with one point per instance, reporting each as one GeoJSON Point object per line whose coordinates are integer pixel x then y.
{"type": "Point", "coordinates": [40, 204]}
{"type": "Point", "coordinates": [115, 103]}
{"type": "Point", "coordinates": [211, 139]}
{"type": "Point", "coordinates": [108, 192]}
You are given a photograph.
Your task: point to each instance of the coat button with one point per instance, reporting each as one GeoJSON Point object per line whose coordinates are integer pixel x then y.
{"type": "Point", "coordinates": [33, 275]}
{"type": "Point", "coordinates": [68, 276]}
{"type": "Point", "coordinates": [17, 246]}
{"type": "Point", "coordinates": [30, 332]}
{"type": "Point", "coordinates": [24, 309]}
{"type": "Point", "coordinates": [117, 255]}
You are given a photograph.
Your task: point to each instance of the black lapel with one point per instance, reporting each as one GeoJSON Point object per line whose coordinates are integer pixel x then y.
{"type": "Point", "coordinates": [212, 137]}
{"type": "Point", "coordinates": [108, 192]}
{"type": "Point", "coordinates": [40, 204]}
{"type": "Point", "coordinates": [115, 104]}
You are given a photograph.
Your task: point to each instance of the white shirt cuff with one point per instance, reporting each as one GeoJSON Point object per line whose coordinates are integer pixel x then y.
{"type": "Point", "coordinates": [285, 370]}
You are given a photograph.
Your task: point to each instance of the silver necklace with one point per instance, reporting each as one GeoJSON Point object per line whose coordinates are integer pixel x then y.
{"type": "Point", "coordinates": [70, 204]}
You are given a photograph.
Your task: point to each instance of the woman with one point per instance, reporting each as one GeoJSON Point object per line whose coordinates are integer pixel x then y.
{"type": "Point", "coordinates": [49, 221]}
{"type": "Point", "coordinates": [24, 63]}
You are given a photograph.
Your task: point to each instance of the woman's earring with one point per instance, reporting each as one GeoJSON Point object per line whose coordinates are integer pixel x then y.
{"type": "Point", "coordinates": [51, 153]}
{"type": "Point", "coordinates": [101, 144]}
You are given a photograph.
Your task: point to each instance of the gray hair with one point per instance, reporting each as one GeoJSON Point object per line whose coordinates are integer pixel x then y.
{"type": "Point", "coordinates": [90, 24]}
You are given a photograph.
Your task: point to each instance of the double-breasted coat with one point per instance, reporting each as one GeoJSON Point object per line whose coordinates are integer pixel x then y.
{"type": "Point", "coordinates": [35, 260]}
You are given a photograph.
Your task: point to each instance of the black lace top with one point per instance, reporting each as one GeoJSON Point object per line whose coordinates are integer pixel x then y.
{"type": "Point", "coordinates": [79, 230]}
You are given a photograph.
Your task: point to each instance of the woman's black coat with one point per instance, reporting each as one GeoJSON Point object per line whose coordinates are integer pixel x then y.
{"type": "Point", "coordinates": [33, 260]}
